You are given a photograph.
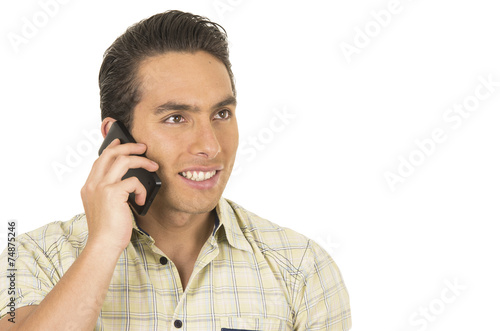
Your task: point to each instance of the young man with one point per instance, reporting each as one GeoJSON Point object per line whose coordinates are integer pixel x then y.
{"type": "Point", "coordinates": [195, 261]}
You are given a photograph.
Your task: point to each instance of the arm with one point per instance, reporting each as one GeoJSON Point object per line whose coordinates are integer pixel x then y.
{"type": "Point", "coordinates": [74, 303]}
{"type": "Point", "coordinates": [323, 298]}
{"type": "Point", "coordinates": [76, 300]}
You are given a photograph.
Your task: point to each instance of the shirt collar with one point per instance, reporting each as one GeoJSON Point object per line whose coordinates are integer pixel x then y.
{"type": "Point", "coordinates": [230, 220]}
{"type": "Point", "coordinates": [136, 227]}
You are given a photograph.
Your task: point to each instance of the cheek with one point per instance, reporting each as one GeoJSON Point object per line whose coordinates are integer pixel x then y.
{"type": "Point", "coordinates": [229, 141]}
{"type": "Point", "coordinates": [163, 151]}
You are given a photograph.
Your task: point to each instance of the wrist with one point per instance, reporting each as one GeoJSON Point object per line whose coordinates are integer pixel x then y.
{"type": "Point", "coordinates": [103, 249]}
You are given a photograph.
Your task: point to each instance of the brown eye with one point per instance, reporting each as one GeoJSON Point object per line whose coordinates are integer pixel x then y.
{"type": "Point", "coordinates": [223, 114]}
{"type": "Point", "coordinates": [174, 119]}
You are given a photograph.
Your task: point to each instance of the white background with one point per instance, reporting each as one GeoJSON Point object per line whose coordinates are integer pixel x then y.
{"type": "Point", "coordinates": [322, 173]}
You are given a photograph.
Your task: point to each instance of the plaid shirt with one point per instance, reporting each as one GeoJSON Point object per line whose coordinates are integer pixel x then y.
{"type": "Point", "coordinates": [251, 274]}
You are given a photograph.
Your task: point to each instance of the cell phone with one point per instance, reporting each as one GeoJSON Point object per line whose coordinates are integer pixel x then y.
{"type": "Point", "coordinates": [150, 180]}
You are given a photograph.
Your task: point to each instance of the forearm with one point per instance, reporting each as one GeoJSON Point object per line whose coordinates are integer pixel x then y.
{"type": "Point", "coordinates": [75, 302]}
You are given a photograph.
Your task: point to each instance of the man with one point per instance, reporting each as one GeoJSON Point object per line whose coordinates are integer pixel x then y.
{"type": "Point", "coordinates": [195, 261]}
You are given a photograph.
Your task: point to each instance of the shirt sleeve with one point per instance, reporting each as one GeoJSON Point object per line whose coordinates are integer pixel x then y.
{"type": "Point", "coordinates": [323, 301]}
{"type": "Point", "coordinates": [31, 280]}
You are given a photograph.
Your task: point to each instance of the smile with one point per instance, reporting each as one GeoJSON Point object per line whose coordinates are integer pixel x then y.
{"type": "Point", "coordinates": [198, 176]}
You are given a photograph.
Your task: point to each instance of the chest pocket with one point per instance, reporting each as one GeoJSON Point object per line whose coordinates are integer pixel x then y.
{"type": "Point", "coordinates": [254, 324]}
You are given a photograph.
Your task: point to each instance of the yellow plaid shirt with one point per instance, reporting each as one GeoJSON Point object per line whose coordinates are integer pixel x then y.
{"type": "Point", "coordinates": [251, 274]}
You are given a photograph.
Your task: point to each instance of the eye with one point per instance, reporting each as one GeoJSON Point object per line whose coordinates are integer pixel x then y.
{"type": "Point", "coordinates": [223, 114]}
{"type": "Point", "coordinates": [174, 119]}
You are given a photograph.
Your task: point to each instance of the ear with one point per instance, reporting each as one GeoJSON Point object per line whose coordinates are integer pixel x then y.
{"type": "Point", "coordinates": [106, 124]}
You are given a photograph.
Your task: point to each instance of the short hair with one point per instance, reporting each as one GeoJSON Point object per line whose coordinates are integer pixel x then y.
{"type": "Point", "coordinates": [171, 31]}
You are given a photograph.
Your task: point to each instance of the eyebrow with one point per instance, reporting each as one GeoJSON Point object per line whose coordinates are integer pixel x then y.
{"type": "Point", "coordinates": [173, 105]}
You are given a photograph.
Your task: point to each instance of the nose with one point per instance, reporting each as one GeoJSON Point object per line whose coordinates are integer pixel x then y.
{"type": "Point", "coordinates": [204, 141]}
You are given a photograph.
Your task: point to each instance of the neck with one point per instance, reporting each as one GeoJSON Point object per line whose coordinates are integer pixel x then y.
{"type": "Point", "coordinates": [177, 232]}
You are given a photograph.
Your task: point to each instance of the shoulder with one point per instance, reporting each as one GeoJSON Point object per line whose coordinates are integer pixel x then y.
{"type": "Point", "coordinates": [41, 257]}
{"type": "Point", "coordinates": [311, 279]}
{"type": "Point", "coordinates": [262, 230]}
{"type": "Point", "coordinates": [292, 250]}
{"type": "Point", "coordinates": [55, 236]}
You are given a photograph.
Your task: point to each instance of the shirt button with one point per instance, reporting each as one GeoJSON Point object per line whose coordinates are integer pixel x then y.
{"type": "Point", "coordinates": [178, 324]}
{"type": "Point", "coordinates": [163, 260]}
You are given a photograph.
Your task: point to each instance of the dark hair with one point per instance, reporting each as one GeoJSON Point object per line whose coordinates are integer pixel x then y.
{"type": "Point", "coordinates": [171, 31]}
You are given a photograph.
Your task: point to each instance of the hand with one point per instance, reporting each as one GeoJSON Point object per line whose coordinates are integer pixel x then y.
{"type": "Point", "coordinates": [105, 194]}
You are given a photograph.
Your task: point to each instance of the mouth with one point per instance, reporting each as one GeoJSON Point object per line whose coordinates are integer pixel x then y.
{"type": "Point", "coordinates": [201, 179]}
{"type": "Point", "coordinates": [198, 176]}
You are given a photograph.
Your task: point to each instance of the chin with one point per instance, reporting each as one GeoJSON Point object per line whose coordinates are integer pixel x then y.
{"type": "Point", "coordinates": [189, 204]}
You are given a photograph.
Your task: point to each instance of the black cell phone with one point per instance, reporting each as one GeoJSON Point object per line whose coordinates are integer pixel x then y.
{"type": "Point", "coordinates": [150, 180]}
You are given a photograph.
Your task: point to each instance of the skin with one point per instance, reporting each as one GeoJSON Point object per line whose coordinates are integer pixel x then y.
{"type": "Point", "coordinates": [194, 132]}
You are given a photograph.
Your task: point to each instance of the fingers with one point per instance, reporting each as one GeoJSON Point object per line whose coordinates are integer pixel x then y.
{"type": "Point", "coordinates": [123, 163]}
{"type": "Point", "coordinates": [108, 170]}
{"type": "Point", "coordinates": [114, 152]}
{"type": "Point", "coordinates": [134, 185]}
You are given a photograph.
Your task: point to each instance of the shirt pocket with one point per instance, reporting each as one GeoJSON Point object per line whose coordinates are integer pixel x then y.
{"type": "Point", "coordinates": [253, 324]}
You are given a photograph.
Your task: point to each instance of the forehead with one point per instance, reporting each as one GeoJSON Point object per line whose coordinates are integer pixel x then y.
{"type": "Point", "coordinates": [183, 75]}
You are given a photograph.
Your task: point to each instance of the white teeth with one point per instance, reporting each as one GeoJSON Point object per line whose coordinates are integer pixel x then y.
{"type": "Point", "coordinates": [198, 176]}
